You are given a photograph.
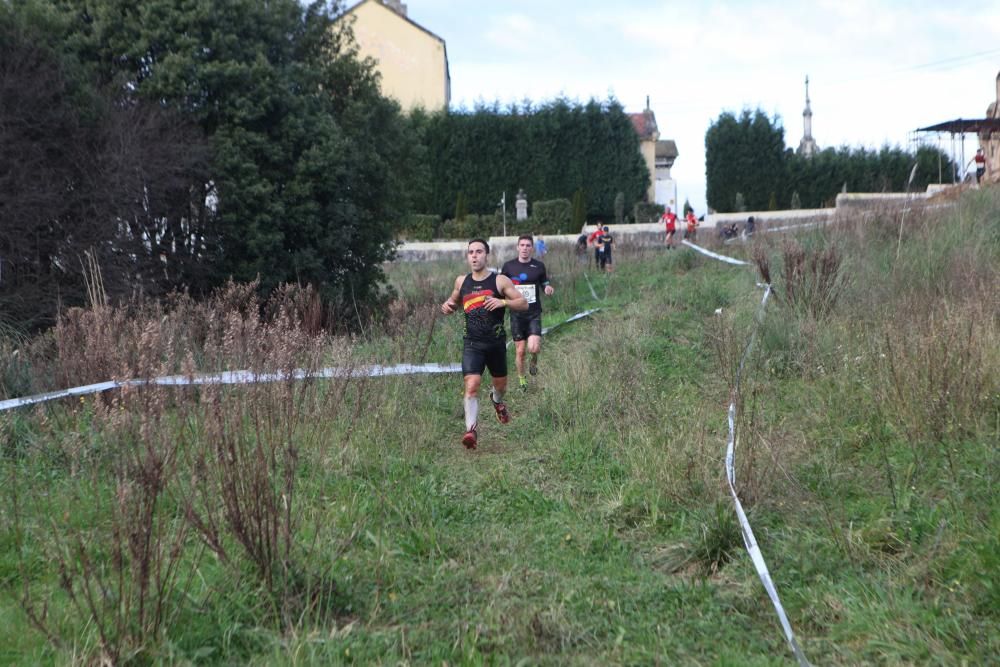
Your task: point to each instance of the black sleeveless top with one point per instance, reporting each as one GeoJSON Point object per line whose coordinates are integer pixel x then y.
{"type": "Point", "coordinates": [481, 324]}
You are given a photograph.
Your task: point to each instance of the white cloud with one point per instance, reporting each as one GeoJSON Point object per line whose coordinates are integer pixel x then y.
{"type": "Point", "coordinates": [878, 70]}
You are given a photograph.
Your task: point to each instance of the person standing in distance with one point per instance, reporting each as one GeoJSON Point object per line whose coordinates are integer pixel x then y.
{"type": "Point", "coordinates": [606, 240]}
{"type": "Point", "coordinates": [483, 296]}
{"type": "Point", "coordinates": [595, 240]}
{"type": "Point", "coordinates": [529, 276]}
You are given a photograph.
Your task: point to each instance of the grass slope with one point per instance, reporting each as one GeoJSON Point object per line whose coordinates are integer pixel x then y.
{"type": "Point", "coordinates": [596, 528]}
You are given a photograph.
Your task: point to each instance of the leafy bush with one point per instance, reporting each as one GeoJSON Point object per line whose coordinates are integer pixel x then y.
{"type": "Point", "coordinates": [579, 208]}
{"type": "Point", "coordinates": [550, 151]}
{"type": "Point", "coordinates": [552, 216]}
{"type": "Point", "coordinates": [646, 212]}
{"type": "Point", "coordinates": [472, 226]}
{"type": "Point", "coordinates": [747, 154]}
{"type": "Point", "coordinates": [420, 227]}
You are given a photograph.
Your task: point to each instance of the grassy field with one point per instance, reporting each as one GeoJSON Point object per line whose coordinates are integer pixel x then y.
{"type": "Point", "coordinates": [342, 522]}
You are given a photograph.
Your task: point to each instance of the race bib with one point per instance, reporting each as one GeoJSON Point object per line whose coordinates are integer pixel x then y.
{"type": "Point", "coordinates": [528, 291]}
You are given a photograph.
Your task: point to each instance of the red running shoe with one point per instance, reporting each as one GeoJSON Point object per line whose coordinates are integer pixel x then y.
{"type": "Point", "coordinates": [469, 439]}
{"type": "Point", "coordinates": [503, 415]}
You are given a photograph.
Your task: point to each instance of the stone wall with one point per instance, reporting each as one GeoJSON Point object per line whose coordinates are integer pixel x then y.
{"type": "Point", "coordinates": [652, 234]}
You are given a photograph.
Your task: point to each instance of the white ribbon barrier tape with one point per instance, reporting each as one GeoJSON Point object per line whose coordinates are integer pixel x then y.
{"type": "Point", "coordinates": [795, 228]}
{"type": "Point", "coordinates": [578, 316]}
{"type": "Point", "coordinates": [235, 377]}
{"type": "Point", "coordinates": [252, 377]}
{"type": "Point", "coordinates": [572, 318]}
{"type": "Point", "coordinates": [591, 286]}
{"type": "Point", "coordinates": [62, 393]}
{"type": "Point", "coordinates": [748, 537]}
{"type": "Point", "coordinates": [713, 255]}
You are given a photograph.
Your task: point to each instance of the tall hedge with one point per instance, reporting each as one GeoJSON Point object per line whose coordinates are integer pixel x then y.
{"type": "Point", "coordinates": [743, 155]}
{"type": "Point", "coordinates": [551, 151]}
{"type": "Point", "coordinates": [748, 168]}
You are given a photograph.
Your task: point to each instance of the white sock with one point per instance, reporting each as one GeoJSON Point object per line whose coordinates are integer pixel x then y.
{"type": "Point", "coordinates": [496, 395]}
{"type": "Point", "coordinates": [471, 412]}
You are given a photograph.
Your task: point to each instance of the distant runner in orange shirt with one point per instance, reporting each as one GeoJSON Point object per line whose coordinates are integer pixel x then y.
{"type": "Point", "coordinates": [692, 225]}
{"type": "Point", "coordinates": [670, 222]}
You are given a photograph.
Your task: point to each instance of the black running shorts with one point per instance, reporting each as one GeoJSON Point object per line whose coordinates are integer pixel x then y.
{"type": "Point", "coordinates": [522, 326]}
{"type": "Point", "coordinates": [477, 355]}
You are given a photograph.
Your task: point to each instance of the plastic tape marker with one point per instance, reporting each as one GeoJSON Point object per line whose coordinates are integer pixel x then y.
{"type": "Point", "coordinates": [591, 286]}
{"type": "Point", "coordinates": [62, 393]}
{"type": "Point", "coordinates": [234, 377]}
{"type": "Point", "coordinates": [572, 318]}
{"type": "Point", "coordinates": [748, 537]}
{"type": "Point", "coordinates": [723, 258]}
{"type": "Point", "coordinates": [250, 377]}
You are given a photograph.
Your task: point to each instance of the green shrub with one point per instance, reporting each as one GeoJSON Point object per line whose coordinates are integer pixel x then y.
{"type": "Point", "coordinates": [420, 227]}
{"type": "Point", "coordinates": [646, 212]}
{"type": "Point", "coordinates": [453, 229]}
{"type": "Point", "coordinates": [553, 216]}
{"type": "Point", "coordinates": [472, 226]}
{"type": "Point", "coordinates": [579, 208]}
{"type": "Point", "coordinates": [485, 226]}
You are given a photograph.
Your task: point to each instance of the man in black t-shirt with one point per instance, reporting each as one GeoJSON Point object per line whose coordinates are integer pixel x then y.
{"type": "Point", "coordinates": [530, 279]}
{"type": "Point", "coordinates": [606, 240]}
{"type": "Point", "coordinates": [483, 295]}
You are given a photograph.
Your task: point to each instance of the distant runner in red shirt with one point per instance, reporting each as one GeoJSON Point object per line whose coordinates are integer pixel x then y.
{"type": "Point", "coordinates": [670, 222]}
{"type": "Point", "coordinates": [595, 240]}
{"type": "Point", "coordinates": [692, 225]}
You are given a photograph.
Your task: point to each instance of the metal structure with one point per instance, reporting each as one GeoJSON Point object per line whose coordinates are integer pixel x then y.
{"type": "Point", "coordinates": [960, 127]}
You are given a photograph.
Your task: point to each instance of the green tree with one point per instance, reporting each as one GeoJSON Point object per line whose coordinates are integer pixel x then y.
{"type": "Point", "coordinates": [92, 178]}
{"type": "Point", "coordinates": [551, 150]}
{"type": "Point", "coordinates": [744, 154]}
{"type": "Point", "coordinates": [579, 208]}
{"type": "Point", "coordinates": [619, 208]}
{"type": "Point", "coordinates": [461, 208]}
{"type": "Point", "coordinates": [309, 161]}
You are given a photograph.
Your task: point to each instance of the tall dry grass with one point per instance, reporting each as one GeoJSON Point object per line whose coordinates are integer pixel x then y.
{"type": "Point", "coordinates": [906, 313]}
{"type": "Point", "coordinates": [169, 472]}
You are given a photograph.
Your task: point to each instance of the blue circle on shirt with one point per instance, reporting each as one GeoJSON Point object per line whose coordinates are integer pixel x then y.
{"type": "Point", "coordinates": [523, 276]}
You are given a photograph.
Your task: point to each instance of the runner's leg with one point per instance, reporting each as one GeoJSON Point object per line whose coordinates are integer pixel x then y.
{"type": "Point", "coordinates": [499, 387]}
{"type": "Point", "coordinates": [519, 348]}
{"type": "Point", "coordinates": [472, 383]}
{"type": "Point", "coordinates": [534, 347]}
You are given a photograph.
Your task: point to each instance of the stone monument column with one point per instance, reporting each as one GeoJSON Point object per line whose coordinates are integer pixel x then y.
{"type": "Point", "coordinates": [521, 204]}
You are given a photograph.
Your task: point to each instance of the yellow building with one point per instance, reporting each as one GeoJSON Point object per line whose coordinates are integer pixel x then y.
{"type": "Point", "coordinates": [412, 61]}
{"type": "Point", "coordinates": [659, 156]}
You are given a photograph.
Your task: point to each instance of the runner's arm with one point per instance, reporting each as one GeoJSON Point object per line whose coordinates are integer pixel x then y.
{"type": "Point", "coordinates": [545, 283]}
{"type": "Point", "coordinates": [512, 298]}
{"type": "Point", "coordinates": [451, 303]}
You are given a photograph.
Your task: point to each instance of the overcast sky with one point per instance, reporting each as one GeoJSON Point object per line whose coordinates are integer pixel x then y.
{"type": "Point", "coordinates": [878, 69]}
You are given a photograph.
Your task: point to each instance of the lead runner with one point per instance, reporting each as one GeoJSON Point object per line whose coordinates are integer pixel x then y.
{"type": "Point", "coordinates": [483, 295]}
{"type": "Point", "coordinates": [529, 277]}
